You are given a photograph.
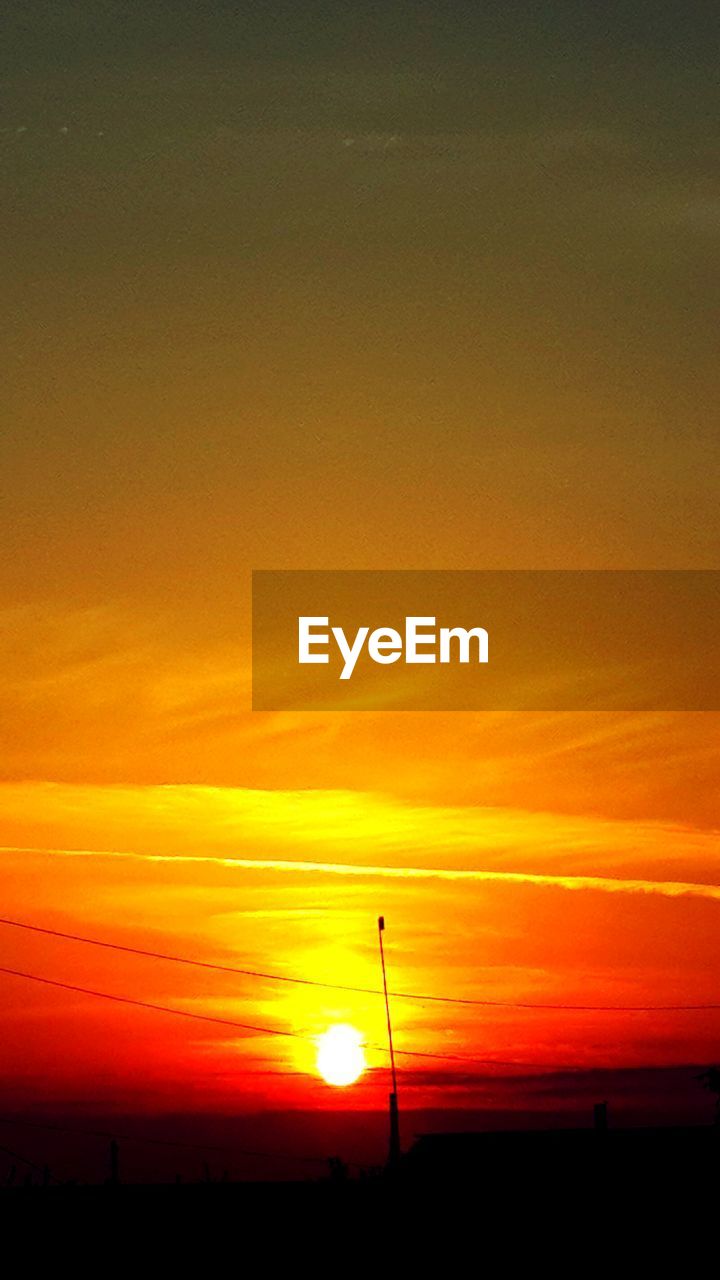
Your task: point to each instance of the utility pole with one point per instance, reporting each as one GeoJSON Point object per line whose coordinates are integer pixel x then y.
{"type": "Point", "coordinates": [394, 1151]}
{"type": "Point", "coordinates": [600, 1117]}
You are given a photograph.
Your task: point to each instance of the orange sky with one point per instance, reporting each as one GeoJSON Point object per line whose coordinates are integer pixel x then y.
{"type": "Point", "coordinates": [281, 300]}
{"type": "Point", "coordinates": [492, 901]}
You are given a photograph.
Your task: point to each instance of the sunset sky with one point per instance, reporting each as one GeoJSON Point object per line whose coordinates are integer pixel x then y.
{"type": "Point", "coordinates": [347, 286]}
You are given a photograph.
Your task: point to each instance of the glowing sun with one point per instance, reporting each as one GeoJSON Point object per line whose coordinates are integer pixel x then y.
{"type": "Point", "coordinates": [340, 1058]}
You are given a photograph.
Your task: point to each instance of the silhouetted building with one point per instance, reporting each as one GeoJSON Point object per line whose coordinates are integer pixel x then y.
{"type": "Point", "coordinates": [527, 1158]}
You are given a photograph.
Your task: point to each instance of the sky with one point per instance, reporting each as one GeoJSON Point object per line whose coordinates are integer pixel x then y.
{"type": "Point", "coordinates": [347, 286]}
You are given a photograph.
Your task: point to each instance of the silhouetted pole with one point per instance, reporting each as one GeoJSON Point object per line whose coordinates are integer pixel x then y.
{"type": "Point", "coordinates": [394, 1153]}
{"type": "Point", "coordinates": [600, 1117]}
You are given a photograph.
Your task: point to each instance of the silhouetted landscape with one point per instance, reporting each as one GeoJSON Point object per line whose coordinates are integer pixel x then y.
{"type": "Point", "coordinates": [643, 1188]}
{"type": "Point", "coordinates": [55, 1146]}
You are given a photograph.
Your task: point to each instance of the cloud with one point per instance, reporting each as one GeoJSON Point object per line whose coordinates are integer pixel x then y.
{"type": "Point", "coordinates": [300, 866]}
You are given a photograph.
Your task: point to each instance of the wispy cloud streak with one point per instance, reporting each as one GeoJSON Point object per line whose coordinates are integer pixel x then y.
{"type": "Point", "coordinates": [599, 884]}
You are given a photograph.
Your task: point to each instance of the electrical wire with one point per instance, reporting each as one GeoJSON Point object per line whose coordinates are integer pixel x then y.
{"type": "Point", "coordinates": [481, 1002]}
{"type": "Point", "coordinates": [244, 1026]}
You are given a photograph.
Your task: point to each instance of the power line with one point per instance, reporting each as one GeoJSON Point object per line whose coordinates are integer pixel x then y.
{"type": "Point", "coordinates": [157, 1008]}
{"type": "Point", "coordinates": [296, 1035]}
{"type": "Point", "coordinates": [106, 1135]}
{"type": "Point", "coordinates": [372, 991]}
{"type": "Point", "coordinates": [245, 1026]}
{"type": "Point", "coordinates": [15, 1155]}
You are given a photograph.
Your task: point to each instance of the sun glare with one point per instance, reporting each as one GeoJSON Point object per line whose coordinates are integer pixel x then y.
{"type": "Point", "coordinates": [340, 1058]}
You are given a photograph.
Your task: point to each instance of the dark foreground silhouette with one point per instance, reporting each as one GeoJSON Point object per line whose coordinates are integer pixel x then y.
{"type": "Point", "coordinates": [518, 1194]}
